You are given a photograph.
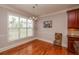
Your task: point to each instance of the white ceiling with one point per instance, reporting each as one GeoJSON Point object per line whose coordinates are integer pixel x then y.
{"type": "Point", "coordinates": [42, 8]}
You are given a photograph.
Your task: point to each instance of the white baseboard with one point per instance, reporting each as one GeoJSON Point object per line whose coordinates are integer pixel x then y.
{"type": "Point", "coordinates": [44, 40]}
{"type": "Point", "coordinates": [47, 41]}
{"type": "Point", "coordinates": [14, 45]}
{"type": "Point", "coordinates": [20, 43]}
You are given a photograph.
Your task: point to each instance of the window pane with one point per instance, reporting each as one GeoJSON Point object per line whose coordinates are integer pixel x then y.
{"type": "Point", "coordinates": [13, 34]}
{"type": "Point", "coordinates": [22, 23]}
{"type": "Point", "coordinates": [23, 33]}
{"type": "Point", "coordinates": [13, 22]}
{"type": "Point", "coordinates": [19, 27]}
{"type": "Point", "coordinates": [30, 32]}
{"type": "Point", "coordinates": [30, 23]}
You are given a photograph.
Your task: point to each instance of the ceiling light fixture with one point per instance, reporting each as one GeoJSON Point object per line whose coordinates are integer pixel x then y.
{"type": "Point", "coordinates": [35, 10]}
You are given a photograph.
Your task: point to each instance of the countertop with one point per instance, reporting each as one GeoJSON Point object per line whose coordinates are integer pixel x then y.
{"type": "Point", "coordinates": [73, 36]}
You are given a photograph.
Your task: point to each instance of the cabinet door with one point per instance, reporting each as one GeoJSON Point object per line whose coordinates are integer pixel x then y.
{"type": "Point", "coordinates": [70, 45]}
{"type": "Point", "coordinates": [78, 18]}
{"type": "Point", "coordinates": [72, 19]}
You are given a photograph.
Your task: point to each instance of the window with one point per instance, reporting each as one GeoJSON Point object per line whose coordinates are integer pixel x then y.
{"type": "Point", "coordinates": [23, 30]}
{"type": "Point", "coordinates": [30, 27]}
{"type": "Point", "coordinates": [13, 27]}
{"type": "Point", "coordinates": [19, 27]}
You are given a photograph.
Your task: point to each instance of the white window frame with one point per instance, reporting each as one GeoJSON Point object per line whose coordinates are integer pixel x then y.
{"type": "Point", "coordinates": [20, 28]}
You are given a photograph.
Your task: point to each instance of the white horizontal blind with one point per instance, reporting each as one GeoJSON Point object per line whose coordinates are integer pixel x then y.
{"type": "Point", "coordinates": [19, 27]}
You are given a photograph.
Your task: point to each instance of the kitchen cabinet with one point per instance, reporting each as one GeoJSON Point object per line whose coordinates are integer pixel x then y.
{"type": "Point", "coordinates": [78, 18]}
{"type": "Point", "coordinates": [73, 19]}
{"type": "Point", "coordinates": [71, 40]}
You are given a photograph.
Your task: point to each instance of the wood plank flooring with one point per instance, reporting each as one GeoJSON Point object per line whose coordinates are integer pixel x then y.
{"type": "Point", "coordinates": [37, 47]}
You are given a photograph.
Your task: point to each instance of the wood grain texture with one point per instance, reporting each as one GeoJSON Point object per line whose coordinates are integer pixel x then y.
{"type": "Point", "coordinates": [71, 42]}
{"type": "Point", "coordinates": [73, 18]}
{"type": "Point", "coordinates": [37, 47]}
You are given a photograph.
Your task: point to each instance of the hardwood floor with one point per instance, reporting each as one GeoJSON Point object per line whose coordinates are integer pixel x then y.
{"type": "Point", "coordinates": [37, 47]}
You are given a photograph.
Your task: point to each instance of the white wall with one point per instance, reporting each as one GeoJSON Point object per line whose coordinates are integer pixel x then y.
{"type": "Point", "coordinates": [59, 25]}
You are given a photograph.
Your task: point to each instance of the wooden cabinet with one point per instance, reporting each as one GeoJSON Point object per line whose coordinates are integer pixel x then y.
{"type": "Point", "coordinates": [78, 18]}
{"type": "Point", "coordinates": [73, 22]}
{"type": "Point", "coordinates": [70, 45]}
{"type": "Point", "coordinates": [71, 41]}
{"type": "Point", "coordinates": [73, 18]}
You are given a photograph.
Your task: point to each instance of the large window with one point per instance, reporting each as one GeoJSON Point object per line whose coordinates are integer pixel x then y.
{"type": "Point", "coordinates": [19, 27]}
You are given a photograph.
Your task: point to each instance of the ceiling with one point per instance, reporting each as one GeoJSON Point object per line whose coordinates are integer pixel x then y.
{"type": "Point", "coordinates": [42, 9]}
